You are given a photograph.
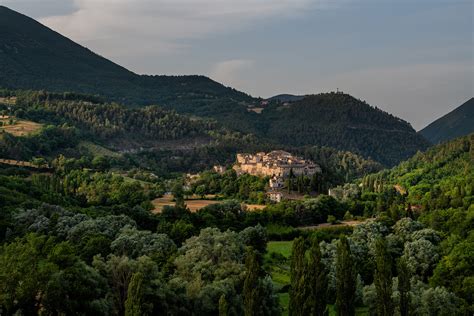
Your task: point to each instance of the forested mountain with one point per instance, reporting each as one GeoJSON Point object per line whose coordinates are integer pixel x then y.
{"type": "Point", "coordinates": [35, 57]}
{"type": "Point", "coordinates": [437, 187]}
{"type": "Point", "coordinates": [343, 122]}
{"type": "Point", "coordinates": [456, 123]}
{"type": "Point", "coordinates": [68, 119]}
{"type": "Point", "coordinates": [155, 138]}
{"type": "Point", "coordinates": [286, 98]}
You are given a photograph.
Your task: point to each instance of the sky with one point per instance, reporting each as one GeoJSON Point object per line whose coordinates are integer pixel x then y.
{"type": "Point", "coordinates": [412, 58]}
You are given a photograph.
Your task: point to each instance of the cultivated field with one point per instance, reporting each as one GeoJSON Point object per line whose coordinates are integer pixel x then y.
{"type": "Point", "coordinates": [19, 127]}
{"type": "Point", "coordinates": [194, 204]}
{"type": "Point", "coordinates": [8, 100]}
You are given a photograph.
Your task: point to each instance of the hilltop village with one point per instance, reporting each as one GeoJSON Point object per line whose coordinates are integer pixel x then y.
{"type": "Point", "coordinates": [277, 164]}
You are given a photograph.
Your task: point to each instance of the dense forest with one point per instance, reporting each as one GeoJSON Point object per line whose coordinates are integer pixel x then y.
{"type": "Point", "coordinates": [151, 137]}
{"type": "Point", "coordinates": [83, 227]}
{"type": "Point", "coordinates": [342, 122]}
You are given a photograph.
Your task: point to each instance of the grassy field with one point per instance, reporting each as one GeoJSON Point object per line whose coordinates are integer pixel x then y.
{"type": "Point", "coordinates": [8, 100]}
{"type": "Point", "coordinates": [281, 247]}
{"type": "Point", "coordinates": [19, 127]}
{"type": "Point", "coordinates": [97, 150]}
{"type": "Point", "coordinates": [193, 205]}
{"type": "Point", "coordinates": [284, 302]}
{"type": "Point", "coordinates": [360, 311]}
{"type": "Point", "coordinates": [280, 274]}
{"type": "Point", "coordinates": [255, 207]}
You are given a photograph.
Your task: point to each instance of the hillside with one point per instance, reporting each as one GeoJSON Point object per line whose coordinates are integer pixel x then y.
{"type": "Point", "coordinates": [443, 174]}
{"type": "Point", "coordinates": [34, 57]}
{"type": "Point", "coordinates": [456, 123]}
{"type": "Point", "coordinates": [343, 122]}
{"type": "Point", "coordinates": [286, 98]}
{"type": "Point", "coordinates": [66, 121]}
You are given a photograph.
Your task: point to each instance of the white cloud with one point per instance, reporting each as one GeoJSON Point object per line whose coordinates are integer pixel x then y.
{"type": "Point", "coordinates": [231, 72]}
{"type": "Point", "coordinates": [157, 26]}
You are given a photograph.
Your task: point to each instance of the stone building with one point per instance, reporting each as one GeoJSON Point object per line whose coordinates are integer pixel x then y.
{"type": "Point", "coordinates": [277, 163]}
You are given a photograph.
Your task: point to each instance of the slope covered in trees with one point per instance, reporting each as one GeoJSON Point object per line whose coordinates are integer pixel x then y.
{"type": "Point", "coordinates": [35, 57]}
{"type": "Point", "coordinates": [340, 121]}
{"type": "Point", "coordinates": [414, 258]}
{"type": "Point", "coordinates": [456, 123]}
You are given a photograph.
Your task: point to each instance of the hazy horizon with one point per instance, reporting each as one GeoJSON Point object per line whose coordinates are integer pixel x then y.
{"type": "Point", "coordinates": [413, 59]}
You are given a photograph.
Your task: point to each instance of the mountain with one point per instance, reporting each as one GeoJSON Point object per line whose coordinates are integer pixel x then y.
{"type": "Point", "coordinates": [33, 56]}
{"type": "Point", "coordinates": [340, 121]}
{"type": "Point", "coordinates": [458, 122]}
{"type": "Point", "coordinates": [286, 98]}
{"type": "Point", "coordinates": [436, 188]}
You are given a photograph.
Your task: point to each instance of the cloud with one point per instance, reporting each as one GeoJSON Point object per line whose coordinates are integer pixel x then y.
{"type": "Point", "coordinates": [152, 24]}
{"type": "Point", "coordinates": [166, 20]}
{"type": "Point", "coordinates": [231, 72]}
{"type": "Point", "coordinates": [41, 8]}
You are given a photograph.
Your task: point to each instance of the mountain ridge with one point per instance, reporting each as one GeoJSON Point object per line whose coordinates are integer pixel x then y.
{"type": "Point", "coordinates": [34, 57]}
{"type": "Point", "coordinates": [457, 123]}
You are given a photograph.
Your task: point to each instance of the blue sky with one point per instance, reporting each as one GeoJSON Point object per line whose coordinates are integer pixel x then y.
{"type": "Point", "coordinates": [412, 58]}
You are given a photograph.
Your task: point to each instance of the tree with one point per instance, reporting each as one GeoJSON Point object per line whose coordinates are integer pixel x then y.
{"type": "Point", "coordinates": [251, 291]}
{"type": "Point", "coordinates": [223, 306]}
{"type": "Point", "coordinates": [118, 271]}
{"type": "Point", "coordinates": [403, 287]}
{"type": "Point", "coordinates": [133, 304]}
{"type": "Point", "coordinates": [76, 290]}
{"type": "Point", "coordinates": [201, 191]}
{"type": "Point", "coordinates": [24, 273]}
{"type": "Point", "coordinates": [345, 279]}
{"type": "Point", "coordinates": [297, 274]}
{"type": "Point", "coordinates": [178, 194]}
{"type": "Point", "coordinates": [209, 265]}
{"type": "Point", "coordinates": [317, 280]}
{"type": "Point", "coordinates": [383, 279]}
{"type": "Point", "coordinates": [421, 256]}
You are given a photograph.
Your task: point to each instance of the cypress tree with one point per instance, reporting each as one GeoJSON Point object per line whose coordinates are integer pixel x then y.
{"type": "Point", "coordinates": [297, 271]}
{"type": "Point", "coordinates": [404, 286]}
{"type": "Point", "coordinates": [383, 279]}
{"type": "Point", "coordinates": [251, 284]}
{"type": "Point", "coordinates": [223, 306]}
{"type": "Point", "coordinates": [345, 279]}
{"type": "Point", "coordinates": [317, 281]}
{"type": "Point", "coordinates": [134, 303]}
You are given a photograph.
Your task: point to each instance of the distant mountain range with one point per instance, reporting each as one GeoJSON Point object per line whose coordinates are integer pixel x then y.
{"type": "Point", "coordinates": [33, 56]}
{"type": "Point", "coordinates": [456, 123]}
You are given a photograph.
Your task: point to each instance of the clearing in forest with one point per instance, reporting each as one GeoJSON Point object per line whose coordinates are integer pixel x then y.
{"type": "Point", "coordinates": [195, 204]}
{"type": "Point", "coordinates": [18, 127]}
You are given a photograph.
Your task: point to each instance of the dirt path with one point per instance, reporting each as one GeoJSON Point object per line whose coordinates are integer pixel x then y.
{"type": "Point", "coordinates": [20, 163]}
